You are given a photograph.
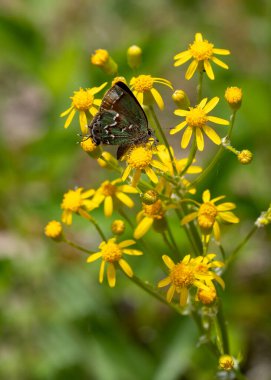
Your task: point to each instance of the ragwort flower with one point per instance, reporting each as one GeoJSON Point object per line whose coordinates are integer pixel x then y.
{"type": "Point", "coordinates": [84, 102]}
{"type": "Point", "coordinates": [209, 215]}
{"type": "Point", "coordinates": [53, 230]}
{"type": "Point", "coordinates": [140, 158]}
{"type": "Point", "coordinates": [111, 253]}
{"type": "Point", "coordinates": [144, 91]}
{"type": "Point", "coordinates": [186, 274]}
{"type": "Point", "coordinates": [147, 216]}
{"type": "Point", "coordinates": [196, 119]}
{"type": "Point", "coordinates": [110, 191]}
{"type": "Point", "coordinates": [202, 52]}
{"type": "Point", "coordinates": [75, 201]}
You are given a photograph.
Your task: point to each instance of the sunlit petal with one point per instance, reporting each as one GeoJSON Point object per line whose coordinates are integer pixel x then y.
{"type": "Point", "coordinates": [66, 112]}
{"type": "Point", "coordinates": [221, 51]}
{"type": "Point", "coordinates": [219, 63]}
{"type": "Point", "coordinates": [186, 137]}
{"type": "Point", "coordinates": [170, 293]}
{"type": "Point", "coordinates": [206, 196]}
{"type": "Point", "coordinates": [126, 267]}
{"type": "Point", "coordinates": [111, 275]}
{"type": "Point", "coordinates": [168, 261]}
{"type": "Point", "coordinates": [69, 118]}
{"type": "Point", "coordinates": [158, 98]}
{"type": "Point", "coordinates": [94, 257]}
{"type": "Point", "coordinates": [212, 134]}
{"type": "Point", "coordinates": [178, 128]}
{"type": "Point", "coordinates": [165, 282]}
{"type": "Point", "coordinates": [199, 139]}
{"type": "Point", "coordinates": [108, 206]}
{"type": "Point", "coordinates": [211, 104]}
{"type": "Point", "coordinates": [152, 176]}
{"type": "Point", "coordinates": [101, 272]}
{"type": "Point", "coordinates": [208, 69]}
{"type": "Point", "coordinates": [143, 227]}
{"type": "Point", "coordinates": [183, 296]}
{"type": "Point", "coordinates": [191, 69]}
{"type": "Point", "coordinates": [188, 218]}
{"type": "Point", "coordinates": [218, 120]}
{"type": "Point", "coordinates": [125, 199]}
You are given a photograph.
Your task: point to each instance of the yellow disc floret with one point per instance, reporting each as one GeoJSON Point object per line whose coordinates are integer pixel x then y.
{"type": "Point", "coordinates": [53, 229]}
{"type": "Point", "coordinates": [226, 362]}
{"type": "Point", "coordinates": [72, 200]}
{"type": "Point", "coordinates": [139, 157]}
{"type": "Point", "coordinates": [111, 251]}
{"type": "Point", "coordinates": [182, 275]}
{"type": "Point", "coordinates": [82, 99]}
{"type": "Point", "coordinates": [201, 50]}
{"type": "Point", "coordinates": [196, 117]}
{"type": "Point", "coordinates": [107, 189]}
{"type": "Point", "coordinates": [142, 83]}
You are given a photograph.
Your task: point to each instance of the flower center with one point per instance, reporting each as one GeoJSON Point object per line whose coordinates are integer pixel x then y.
{"type": "Point", "coordinates": [196, 117]}
{"type": "Point", "coordinates": [182, 276]}
{"type": "Point", "coordinates": [155, 210]}
{"type": "Point", "coordinates": [111, 252]}
{"type": "Point", "coordinates": [82, 99]}
{"type": "Point", "coordinates": [201, 50]}
{"type": "Point", "coordinates": [209, 209]}
{"type": "Point", "coordinates": [142, 83]}
{"type": "Point", "coordinates": [108, 189]}
{"type": "Point", "coordinates": [72, 200]}
{"type": "Point", "coordinates": [139, 157]}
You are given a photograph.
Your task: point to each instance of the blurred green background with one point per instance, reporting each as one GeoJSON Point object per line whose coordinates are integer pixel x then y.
{"type": "Point", "coordinates": [56, 321]}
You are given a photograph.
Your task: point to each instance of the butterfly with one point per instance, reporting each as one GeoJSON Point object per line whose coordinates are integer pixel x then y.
{"type": "Point", "coordinates": [120, 120]}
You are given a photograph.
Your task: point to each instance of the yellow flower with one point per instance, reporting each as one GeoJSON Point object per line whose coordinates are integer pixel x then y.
{"type": "Point", "coordinates": [226, 362]}
{"type": "Point", "coordinates": [110, 191]}
{"type": "Point", "coordinates": [144, 91]}
{"type": "Point", "coordinates": [206, 297]}
{"type": "Point", "coordinates": [111, 253]}
{"type": "Point", "coordinates": [186, 274]}
{"type": "Point", "coordinates": [140, 158]}
{"type": "Point", "coordinates": [75, 201]}
{"type": "Point", "coordinates": [53, 230]}
{"type": "Point", "coordinates": [83, 101]}
{"type": "Point", "coordinates": [245, 157]}
{"type": "Point", "coordinates": [118, 227]}
{"type": "Point", "coordinates": [202, 52]}
{"type": "Point", "coordinates": [147, 216]}
{"type": "Point", "coordinates": [210, 215]}
{"type": "Point", "coordinates": [196, 120]}
{"type": "Point", "coordinates": [164, 156]}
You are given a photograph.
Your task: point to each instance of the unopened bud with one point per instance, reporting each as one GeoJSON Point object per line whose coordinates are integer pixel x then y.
{"type": "Point", "coordinates": [181, 99]}
{"type": "Point", "coordinates": [102, 59]}
{"type": "Point", "coordinates": [118, 79]}
{"type": "Point", "coordinates": [106, 160]}
{"type": "Point", "coordinates": [118, 227]}
{"type": "Point", "coordinates": [150, 197]}
{"type": "Point", "coordinates": [245, 157]}
{"type": "Point", "coordinates": [234, 95]}
{"type": "Point", "coordinates": [91, 148]}
{"type": "Point", "coordinates": [134, 55]}
{"type": "Point", "coordinates": [226, 362]}
{"type": "Point", "coordinates": [53, 230]}
{"type": "Point", "coordinates": [207, 297]}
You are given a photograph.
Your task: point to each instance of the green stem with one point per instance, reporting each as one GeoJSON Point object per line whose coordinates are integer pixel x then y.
{"type": "Point", "coordinates": [163, 136]}
{"type": "Point", "coordinates": [74, 245]}
{"type": "Point", "coordinates": [223, 330]}
{"type": "Point", "coordinates": [239, 247]}
{"type": "Point", "coordinates": [191, 156]}
{"type": "Point", "coordinates": [171, 236]}
{"type": "Point", "coordinates": [191, 233]}
{"type": "Point", "coordinates": [199, 86]}
{"type": "Point", "coordinates": [100, 232]}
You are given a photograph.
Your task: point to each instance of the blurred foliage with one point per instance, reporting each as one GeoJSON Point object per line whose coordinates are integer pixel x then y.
{"type": "Point", "coordinates": [56, 321]}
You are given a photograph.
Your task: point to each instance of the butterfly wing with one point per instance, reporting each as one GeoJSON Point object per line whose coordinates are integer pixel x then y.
{"type": "Point", "coordinates": [120, 120]}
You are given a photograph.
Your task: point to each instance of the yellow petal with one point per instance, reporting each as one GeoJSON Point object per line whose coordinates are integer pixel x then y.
{"type": "Point", "coordinates": [127, 189]}
{"type": "Point", "coordinates": [183, 296]}
{"type": "Point", "coordinates": [165, 282]}
{"type": "Point", "coordinates": [181, 112]}
{"type": "Point", "coordinates": [101, 272]}
{"type": "Point", "coordinates": [212, 134]}
{"type": "Point", "coordinates": [66, 217]}
{"type": "Point", "coordinates": [216, 230]}
{"type": "Point", "coordinates": [211, 104]}
{"type": "Point", "coordinates": [186, 137]}
{"type": "Point", "coordinates": [126, 267]}
{"type": "Point", "coordinates": [94, 257]}
{"type": "Point", "coordinates": [191, 69]}
{"type": "Point", "coordinates": [126, 243]}
{"type": "Point", "coordinates": [214, 200]}
{"type": "Point", "coordinates": [158, 98]}
{"type": "Point", "coordinates": [188, 218]}
{"type": "Point", "coordinates": [143, 227]}
{"type": "Point", "coordinates": [203, 103]}
{"type": "Point", "coordinates": [229, 217]}
{"type": "Point", "coordinates": [178, 128]}
{"type": "Point", "coordinates": [126, 172]}
{"type": "Point", "coordinates": [95, 90]}
{"type": "Point", "coordinates": [183, 54]}
{"type": "Point", "coordinates": [208, 69]}
{"type": "Point", "coordinates": [97, 102]}
{"type": "Point", "coordinates": [69, 118]}
{"type": "Point", "coordinates": [124, 199]}
{"type": "Point", "coordinates": [87, 194]}
{"type": "Point", "coordinates": [140, 97]}
{"type": "Point", "coordinates": [170, 293]}
{"type": "Point", "coordinates": [108, 206]}
{"type": "Point", "coordinates": [218, 120]}
{"type": "Point", "coordinates": [226, 206]}
{"type": "Point", "coordinates": [168, 261]}
{"type": "Point", "coordinates": [206, 196]}
{"type": "Point", "coordinates": [158, 165]}
{"type": "Point", "coordinates": [132, 252]}
{"type": "Point", "coordinates": [152, 176]}
{"type": "Point", "coordinates": [221, 51]}
{"type": "Point", "coordinates": [111, 275]}
{"type": "Point", "coordinates": [66, 112]}
{"type": "Point", "coordinates": [219, 63]}
{"type": "Point", "coordinates": [93, 111]}
{"type": "Point", "coordinates": [199, 139]}
{"type": "Point", "coordinates": [198, 37]}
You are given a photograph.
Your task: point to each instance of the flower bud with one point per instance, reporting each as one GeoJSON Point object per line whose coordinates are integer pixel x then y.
{"type": "Point", "coordinates": [181, 99]}
{"type": "Point", "coordinates": [234, 95]}
{"type": "Point", "coordinates": [134, 54]}
{"type": "Point", "coordinates": [106, 160]}
{"type": "Point", "coordinates": [226, 362]}
{"type": "Point", "coordinates": [207, 297]}
{"type": "Point", "coordinates": [150, 197]}
{"type": "Point", "coordinates": [118, 227]}
{"type": "Point", "coordinates": [118, 79]}
{"type": "Point", "coordinates": [91, 148]}
{"type": "Point", "coordinates": [53, 230]}
{"type": "Point", "coordinates": [245, 157]}
{"type": "Point", "coordinates": [102, 59]}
